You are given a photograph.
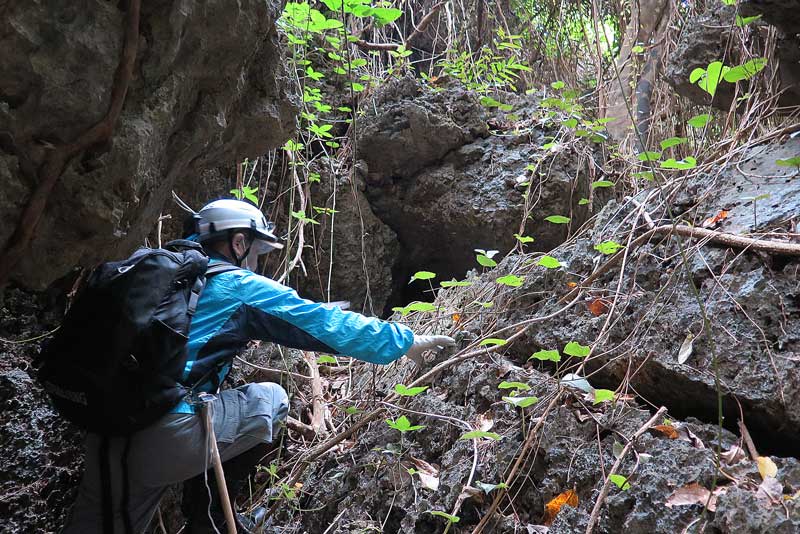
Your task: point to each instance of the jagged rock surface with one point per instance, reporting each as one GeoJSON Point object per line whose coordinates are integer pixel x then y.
{"type": "Point", "coordinates": [209, 86]}
{"type": "Point", "coordinates": [706, 38]}
{"type": "Point", "coordinates": [446, 186]}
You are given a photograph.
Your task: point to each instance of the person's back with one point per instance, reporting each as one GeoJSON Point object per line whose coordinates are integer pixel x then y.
{"type": "Point", "coordinates": [235, 307]}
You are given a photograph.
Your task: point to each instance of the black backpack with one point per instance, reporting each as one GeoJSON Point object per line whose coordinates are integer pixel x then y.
{"type": "Point", "coordinates": [114, 365]}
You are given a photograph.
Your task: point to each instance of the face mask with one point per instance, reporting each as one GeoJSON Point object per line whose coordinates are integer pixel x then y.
{"type": "Point", "coordinates": [258, 248]}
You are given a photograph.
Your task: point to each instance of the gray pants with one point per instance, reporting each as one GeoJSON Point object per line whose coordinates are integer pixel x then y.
{"type": "Point", "coordinates": [172, 450]}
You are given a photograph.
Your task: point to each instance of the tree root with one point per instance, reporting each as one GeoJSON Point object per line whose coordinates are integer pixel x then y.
{"type": "Point", "coordinates": [57, 159]}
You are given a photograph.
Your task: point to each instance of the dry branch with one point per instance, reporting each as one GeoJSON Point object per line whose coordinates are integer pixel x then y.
{"type": "Point", "coordinates": [318, 402]}
{"type": "Point", "coordinates": [423, 25]}
{"type": "Point", "coordinates": [58, 158]}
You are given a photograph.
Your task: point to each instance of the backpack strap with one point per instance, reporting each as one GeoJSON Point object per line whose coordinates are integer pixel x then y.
{"type": "Point", "coordinates": [213, 270]}
{"type": "Point", "coordinates": [219, 268]}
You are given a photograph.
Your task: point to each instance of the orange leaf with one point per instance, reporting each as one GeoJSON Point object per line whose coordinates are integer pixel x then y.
{"type": "Point", "coordinates": [552, 508]}
{"type": "Point", "coordinates": [712, 221]}
{"type": "Point", "coordinates": [456, 318]}
{"type": "Point", "coordinates": [572, 284]}
{"type": "Point", "coordinates": [668, 431]}
{"type": "Point", "coordinates": [598, 306]}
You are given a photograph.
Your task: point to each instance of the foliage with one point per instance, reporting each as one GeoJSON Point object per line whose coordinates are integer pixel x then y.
{"type": "Point", "coordinates": [403, 425]}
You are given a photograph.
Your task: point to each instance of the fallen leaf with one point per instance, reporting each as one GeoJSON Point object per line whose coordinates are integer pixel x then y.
{"type": "Point", "coordinates": [428, 475]}
{"type": "Point", "coordinates": [770, 490]}
{"type": "Point", "coordinates": [687, 347]}
{"type": "Point", "coordinates": [471, 493]}
{"type": "Point", "coordinates": [572, 284]}
{"type": "Point", "coordinates": [734, 455]}
{"type": "Point", "coordinates": [686, 435]}
{"type": "Point", "coordinates": [690, 494]}
{"type": "Point", "coordinates": [667, 431]}
{"type": "Point", "coordinates": [766, 467]}
{"type": "Point", "coordinates": [716, 219]}
{"type": "Point", "coordinates": [485, 421]}
{"type": "Point", "coordinates": [456, 318]}
{"type": "Point", "coordinates": [552, 508]}
{"type": "Point", "coordinates": [598, 306]}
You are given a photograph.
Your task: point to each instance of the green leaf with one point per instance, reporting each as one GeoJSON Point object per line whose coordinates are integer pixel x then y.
{"type": "Point", "coordinates": [709, 80]}
{"type": "Point", "coordinates": [789, 162]}
{"type": "Point", "coordinates": [570, 123]}
{"type": "Point", "coordinates": [521, 402]}
{"type": "Point", "coordinates": [687, 163]}
{"type": "Point", "coordinates": [475, 434]}
{"type": "Point", "coordinates": [404, 391]}
{"type": "Point", "coordinates": [450, 518]}
{"type": "Point", "coordinates": [746, 70]}
{"type": "Point", "coordinates": [326, 358]}
{"type": "Point", "coordinates": [292, 146]}
{"type": "Point", "coordinates": [603, 395]}
{"type": "Point", "coordinates": [621, 482]}
{"type": "Point", "coordinates": [557, 219]}
{"type": "Point", "coordinates": [698, 121]}
{"type": "Point", "coordinates": [511, 280]}
{"type": "Point", "coordinates": [602, 183]}
{"type": "Point", "coordinates": [485, 260]}
{"type": "Point", "coordinates": [415, 306]}
{"type": "Point", "coordinates": [573, 348]}
{"type": "Point", "coordinates": [672, 141]}
{"type": "Point", "coordinates": [608, 247]}
{"type": "Point", "coordinates": [403, 424]}
{"type": "Point", "coordinates": [423, 275]}
{"type": "Point", "coordinates": [352, 410]}
{"type": "Point", "coordinates": [744, 21]}
{"type": "Point", "coordinates": [557, 85]}
{"type": "Point", "coordinates": [513, 385]}
{"type": "Point", "coordinates": [583, 202]}
{"type": "Point", "coordinates": [549, 262]}
{"type": "Point", "coordinates": [649, 155]}
{"type": "Point", "coordinates": [546, 355]}
{"type": "Point", "coordinates": [300, 216]}
{"type": "Point", "coordinates": [357, 87]}
{"type": "Point", "coordinates": [385, 15]}
{"type": "Point", "coordinates": [638, 49]}
{"type": "Point", "coordinates": [488, 488]}
{"type": "Point", "coordinates": [523, 238]}
{"type": "Point", "coordinates": [493, 341]}
{"type": "Point", "coordinates": [647, 175]}
{"type": "Point", "coordinates": [455, 283]}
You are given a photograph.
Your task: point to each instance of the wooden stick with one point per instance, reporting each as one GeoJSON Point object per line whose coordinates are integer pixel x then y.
{"type": "Point", "coordinates": [318, 401]}
{"type": "Point", "coordinates": [222, 488]}
{"type": "Point", "coordinates": [748, 441]}
{"type": "Point", "coordinates": [607, 484]}
{"type": "Point", "coordinates": [423, 25]}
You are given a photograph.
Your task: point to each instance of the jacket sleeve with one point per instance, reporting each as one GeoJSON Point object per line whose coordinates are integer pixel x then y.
{"type": "Point", "coordinates": [276, 313]}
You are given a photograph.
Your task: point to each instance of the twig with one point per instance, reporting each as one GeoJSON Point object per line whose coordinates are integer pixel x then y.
{"type": "Point", "coordinates": [58, 158]}
{"type": "Point", "coordinates": [318, 402]}
{"type": "Point", "coordinates": [276, 374]}
{"type": "Point", "coordinates": [748, 441]}
{"type": "Point", "coordinates": [423, 25]}
{"type": "Point", "coordinates": [301, 428]}
{"type": "Point", "coordinates": [614, 468]}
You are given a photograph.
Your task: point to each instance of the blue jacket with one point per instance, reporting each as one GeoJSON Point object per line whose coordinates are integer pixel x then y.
{"type": "Point", "coordinates": [238, 306]}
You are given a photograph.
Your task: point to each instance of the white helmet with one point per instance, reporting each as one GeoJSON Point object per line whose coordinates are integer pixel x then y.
{"type": "Point", "coordinates": [216, 218]}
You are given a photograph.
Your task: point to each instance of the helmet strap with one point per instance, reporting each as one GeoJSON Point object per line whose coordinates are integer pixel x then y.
{"type": "Point", "coordinates": [236, 259]}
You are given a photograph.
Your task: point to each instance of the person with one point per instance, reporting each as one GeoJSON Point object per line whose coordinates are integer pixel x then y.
{"type": "Point", "coordinates": [235, 307]}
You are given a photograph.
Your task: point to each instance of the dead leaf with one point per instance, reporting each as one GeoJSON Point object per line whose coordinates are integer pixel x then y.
{"type": "Point", "coordinates": [598, 306]}
{"type": "Point", "coordinates": [690, 494]}
{"type": "Point", "coordinates": [456, 318]}
{"type": "Point", "coordinates": [716, 219]}
{"type": "Point", "coordinates": [766, 467]}
{"type": "Point", "coordinates": [472, 493]}
{"type": "Point", "coordinates": [770, 490]}
{"type": "Point", "coordinates": [667, 431]}
{"type": "Point", "coordinates": [734, 455]}
{"type": "Point", "coordinates": [572, 284]}
{"type": "Point", "coordinates": [485, 421]}
{"type": "Point", "coordinates": [428, 474]}
{"type": "Point", "coordinates": [687, 347]}
{"type": "Point", "coordinates": [687, 435]}
{"type": "Point", "coordinates": [552, 508]}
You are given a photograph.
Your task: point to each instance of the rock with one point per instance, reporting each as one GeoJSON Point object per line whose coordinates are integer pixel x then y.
{"type": "Point", "coordinates": [209, 87]}
{"type": "Point", "coordinates": [446, 186]}
{"type": "Point", "coordinates": [705, 38]}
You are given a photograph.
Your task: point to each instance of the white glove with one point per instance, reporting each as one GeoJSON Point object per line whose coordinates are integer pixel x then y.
{"type": "Point", "coordinates": [423, 343]}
